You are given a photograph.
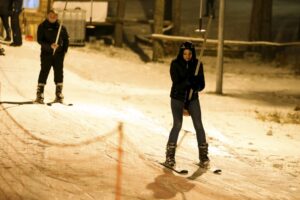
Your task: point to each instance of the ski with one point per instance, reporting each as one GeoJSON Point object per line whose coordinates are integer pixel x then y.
{"type": "Point", "coordinates": [182, 172]}
{"type": "Point", "coordinates": [57, 102]}
{"type": "Point", "coordinates": [214, 170]}
{"type": "Point", "coordinates": [17, 102]}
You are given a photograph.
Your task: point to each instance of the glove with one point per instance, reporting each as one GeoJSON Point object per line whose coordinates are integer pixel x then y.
{"type": "Point", "coordinates": [193, 82]}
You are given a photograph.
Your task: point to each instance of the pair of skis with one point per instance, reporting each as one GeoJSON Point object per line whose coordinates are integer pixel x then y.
{"type": "Point", "coordinates": [184, 171]}
{"type": "Point", "coordinates": [34, 102]}
{"type": "Point", "coordinates": [57, 102]}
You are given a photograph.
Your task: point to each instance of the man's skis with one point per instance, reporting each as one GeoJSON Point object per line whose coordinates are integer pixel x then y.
{"type": "Point", "coordinates": [182, 172]}
{"type": "Point", "coordinates": [58, 102]}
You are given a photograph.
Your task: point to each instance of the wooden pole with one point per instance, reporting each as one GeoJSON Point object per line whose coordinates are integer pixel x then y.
{"type": "Point", "coordinates": [176, 16]}
{"type": "Point", "coordinates": [219, 84]}
{"type": "Point", "coordinates": [119, 23]}
{"type": "Point", "coordinates": [158, 28]}
{"type": "Point", "coordinates": [49, 5]}
{"type": "Point", "coordinates": [201, 53]}
{"type": "Point", "coordinates": [200, 15]}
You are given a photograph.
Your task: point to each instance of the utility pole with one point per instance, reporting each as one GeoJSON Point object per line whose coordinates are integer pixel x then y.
{"type": "Point", "coordinates": [119, 23]}
{"type": "Point", "coordinates": [219, 84]}
{"type": "Point", "coordinates": [158, 28]}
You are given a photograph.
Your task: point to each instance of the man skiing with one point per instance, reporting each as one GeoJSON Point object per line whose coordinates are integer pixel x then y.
{"type": "Point", "coordinates": [5, 8]}
{"type": "Point", "coordinates": [17, 7]}
{"type": "Point", "coordinates": [52, 54]}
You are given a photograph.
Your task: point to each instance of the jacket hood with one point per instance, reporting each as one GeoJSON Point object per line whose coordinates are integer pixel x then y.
{"type": "Point", "coordinates": [186, 45]}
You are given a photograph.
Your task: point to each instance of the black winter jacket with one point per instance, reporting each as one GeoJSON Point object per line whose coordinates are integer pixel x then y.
{"type": "Point", "coordinates": [46, 36]}
{"type": "Point", "coordinates": [17, 6]}
{"type": "Point", "coordinates": [183, 79]}
{"type": "Point", "coordinates": [5, 7]}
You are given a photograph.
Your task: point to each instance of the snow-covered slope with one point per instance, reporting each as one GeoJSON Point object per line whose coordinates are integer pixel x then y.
{"type": "Point", "coordinates": [63, 152]}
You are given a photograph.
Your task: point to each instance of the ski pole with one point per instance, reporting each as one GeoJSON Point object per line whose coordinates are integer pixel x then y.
{"type": "Point", "coordinates": [201, 54]}
{"type": "Point", "coordinates": [60, 26]}
{"type": "Point", "coordinates": [200, 19]}
{"type": "Point", "coordinates": [91, 26]}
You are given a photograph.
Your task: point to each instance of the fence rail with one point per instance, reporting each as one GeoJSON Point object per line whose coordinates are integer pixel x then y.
{"type": "Point", "coordinates": [226, 42]}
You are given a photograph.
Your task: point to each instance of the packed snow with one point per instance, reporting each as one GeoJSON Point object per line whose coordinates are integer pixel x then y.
{"type": "Point", "coordinates": [106, 146]}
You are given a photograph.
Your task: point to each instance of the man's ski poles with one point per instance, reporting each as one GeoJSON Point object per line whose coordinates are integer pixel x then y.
{"type": "Point", "coordinates": [60, 25]}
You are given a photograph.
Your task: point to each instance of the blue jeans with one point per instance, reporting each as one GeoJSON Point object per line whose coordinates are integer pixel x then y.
{"type": "Point", "coordinates": [195, 112]}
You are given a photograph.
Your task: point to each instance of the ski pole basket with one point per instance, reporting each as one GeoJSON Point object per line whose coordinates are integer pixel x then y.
{"type": "Point", "coordinates": [74, 21]}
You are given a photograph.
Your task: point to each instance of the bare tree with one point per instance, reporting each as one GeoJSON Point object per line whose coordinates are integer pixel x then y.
{"type": "Point", "coordinates": [158, 28]}
{"type": "Point", "coordinates": [261, 24]}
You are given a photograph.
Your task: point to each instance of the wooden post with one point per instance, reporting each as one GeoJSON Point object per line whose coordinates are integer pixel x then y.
{"type": "Point", "coordinates": [219, 84]}
{"type": "Point", "coordinates": [158, 28]}
{"type": "Point", "coordinates": [200, 15]}
{"type": "Point", "coordinates": [49, 5]}
{"type": "Point", "coordinates": [176, 16]}
{"type": "Point", "coordinates": [119, 23]}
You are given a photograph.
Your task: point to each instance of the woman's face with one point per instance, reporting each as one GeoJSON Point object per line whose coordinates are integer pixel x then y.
{"type": "Point", "coordinates": [187, 55]}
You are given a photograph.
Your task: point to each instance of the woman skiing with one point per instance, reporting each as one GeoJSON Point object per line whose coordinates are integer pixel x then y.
{"type": "Point", "coordinates": [183, 77]}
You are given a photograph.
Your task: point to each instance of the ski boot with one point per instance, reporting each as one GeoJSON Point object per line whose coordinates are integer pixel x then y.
{"type": "Point", "coordinates": [170, 155]}
{"type": "Point", "coordinates": [59, 97]}
{"type": "Point", "coordinates": [203, 152]}
{"type": "Point", "coordinates": [40, 93]}
{"type": "Point", "coordinates": [8, 36]}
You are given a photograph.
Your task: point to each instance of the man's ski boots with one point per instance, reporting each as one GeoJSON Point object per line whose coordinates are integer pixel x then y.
{"type": "Point", "coordinates": [170, 155]}
{"type": "Point", "coordinates": [59, 97]}
{"type": "Point", "coordinates": [8, 36]}
{"type": "Point", "coordinates": [203, 152]}
{"type": "Point", "coordinates": [40, 94]}
{"type": "Point", "coordinates": [2, 52]}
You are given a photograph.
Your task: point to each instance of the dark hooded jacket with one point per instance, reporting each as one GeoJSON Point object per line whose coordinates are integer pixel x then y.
{"type": "Point", "coordinates": [46, 36]}
{"type": "Point", "coordinates": [17, 6]}
{"type": "Point", "coordinates": [183, 75]}
{"type": "Point", "coordinates": [5, 7]}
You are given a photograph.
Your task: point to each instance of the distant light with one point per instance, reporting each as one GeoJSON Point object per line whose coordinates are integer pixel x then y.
{"type": "Point", "coordinates": [31, 4]}
{"type": "Point", "coordinates": [200, 31]}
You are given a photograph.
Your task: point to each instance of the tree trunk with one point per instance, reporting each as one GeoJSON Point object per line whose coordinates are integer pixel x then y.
{"type": "Point", "coordinates": [298, 31]}
{"type": "Point", "coordinates": [168, 10]}
{"type": "Point", "coordinates": [158, 28]}
{"type": "Point", "coordinates": [119, 23]}
{"type": "Point", "coordinates": [176, 16]}
{"type": "Point", "coordinates": [261, 25]}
